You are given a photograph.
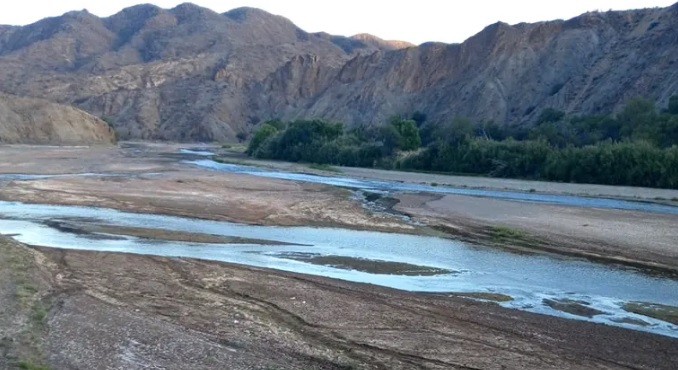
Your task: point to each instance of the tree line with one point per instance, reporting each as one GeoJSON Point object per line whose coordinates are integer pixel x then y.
{"type": "Point", "coordinates": [636, 147]}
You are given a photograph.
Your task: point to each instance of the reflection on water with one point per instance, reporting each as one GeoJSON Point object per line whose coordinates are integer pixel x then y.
{"type": "Point", "coordinates": [372, 257]}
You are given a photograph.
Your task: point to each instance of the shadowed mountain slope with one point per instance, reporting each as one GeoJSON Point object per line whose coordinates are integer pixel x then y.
{"type": "Point", "coordinates": [191, 74]}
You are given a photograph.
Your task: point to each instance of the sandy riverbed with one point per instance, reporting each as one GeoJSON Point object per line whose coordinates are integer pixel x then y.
{"type": "Point", "coordinates": [162, 184]}
{"type": "Point", "coordinates": [215, 314]}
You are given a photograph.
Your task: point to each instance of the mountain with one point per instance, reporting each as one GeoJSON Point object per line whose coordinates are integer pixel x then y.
{"type": "Point", "coordinates": [35, 121]}
{"type": "Point", "coordinates": [381, 43]}
{"type": "Point", "coordinates": [191, 74]}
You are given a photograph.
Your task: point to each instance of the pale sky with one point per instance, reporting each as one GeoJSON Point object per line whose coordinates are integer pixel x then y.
{"type": "Point", "coordinates": [415, 21]}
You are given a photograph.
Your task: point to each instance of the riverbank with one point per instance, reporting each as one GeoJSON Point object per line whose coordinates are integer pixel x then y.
{"type": "Point", "coordinates": [86, 297]}
{"type": "Point", "coordinates": [151, 178]}
{"type": "Point", "coordinates": [400, 261]}
{"type": "Point", "coordinates": [663, 196]}
{"type": "Point", "coordinates": [630, 238]}
{"type": "Point", "coordinates": [251, 318]}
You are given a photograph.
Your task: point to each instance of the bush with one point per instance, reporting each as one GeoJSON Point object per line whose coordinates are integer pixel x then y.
{"type": "Point", "coordinates": [637, 148]}
{"type": "Point", "coordinates": [265, 132]}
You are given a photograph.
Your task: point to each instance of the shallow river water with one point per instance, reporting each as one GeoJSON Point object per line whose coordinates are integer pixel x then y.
{"type": "Point", "coordinates": [456, 267]}
{"type": "Point", "coordinates": [386, 186]}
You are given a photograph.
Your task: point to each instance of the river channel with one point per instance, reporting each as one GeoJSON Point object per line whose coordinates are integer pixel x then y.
{"type": "Point", "coordinates": [391, 186]}
{"type": "Point", "coordinates": [536, 283]}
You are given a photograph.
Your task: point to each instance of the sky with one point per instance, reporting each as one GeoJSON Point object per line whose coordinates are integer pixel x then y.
{"type": "Point", "coordinates": [415, 21]}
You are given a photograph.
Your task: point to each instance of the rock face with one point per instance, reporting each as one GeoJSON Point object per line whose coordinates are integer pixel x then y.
{"type": "Point", "coordinates": [36, 121]}
{"type": "Point", "coordinates": [190, 74]}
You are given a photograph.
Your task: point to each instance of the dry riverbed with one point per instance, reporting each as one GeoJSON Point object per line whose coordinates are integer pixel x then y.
{"type": "Point", "coordinates": [181, 313]}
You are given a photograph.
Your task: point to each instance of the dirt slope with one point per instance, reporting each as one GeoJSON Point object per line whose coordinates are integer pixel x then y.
{"type": "Point", "coordinates": [36, 121]}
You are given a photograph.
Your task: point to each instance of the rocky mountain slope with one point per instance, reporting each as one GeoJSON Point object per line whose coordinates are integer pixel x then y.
{"type": "Point", "coordinates": [189, 73]}
{"type": "Point", "coordinates": [381, 43]}
{"type": "Point", "coordinates": [36, 121]}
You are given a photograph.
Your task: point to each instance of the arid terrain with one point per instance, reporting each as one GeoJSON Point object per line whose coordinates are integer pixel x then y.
{"type": "Point", "coordinates": [192, 74]}
{"type": "Point", "coordinates": [77, 309]}
{"type": "Point", "coordinates": [36, 121]}
{"type": "Point", "coordinates": [143, 254]}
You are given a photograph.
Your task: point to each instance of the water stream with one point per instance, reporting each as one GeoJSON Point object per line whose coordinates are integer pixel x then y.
{"type": "Point", "coordinates": [389, 186]}
{"type": "Point", "coordinates": [450, 266]}
{"type": "Point", "coordinates": [406, 262]}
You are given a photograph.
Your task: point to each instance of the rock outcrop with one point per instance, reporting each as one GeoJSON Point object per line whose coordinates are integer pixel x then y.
{"type": "Point", "coordinates": [191, 74]}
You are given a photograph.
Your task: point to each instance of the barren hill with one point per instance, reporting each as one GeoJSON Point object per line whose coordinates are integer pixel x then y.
{"type": "Point", "coordinates": [189, 73]}
{"type": "Point", "coordinates": [381, 43]}
{"type": "Point", "coordinates": [36, 121]}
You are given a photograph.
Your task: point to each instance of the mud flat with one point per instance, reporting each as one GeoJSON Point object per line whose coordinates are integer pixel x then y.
{"type": "Point", "coordinates": [366, 265]}
{"type": "Point", "coordinates": [98, 231]}
{"type": "Point", "coordinates": [659, 311]}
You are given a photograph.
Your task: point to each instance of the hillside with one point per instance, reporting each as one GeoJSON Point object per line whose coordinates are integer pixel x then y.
{"type": "Point", "coordinates": [191, 74]}
{"type": "Point", "coordinates": [35, 121]}
{"type": "Point", "coordinates": [381, 43]}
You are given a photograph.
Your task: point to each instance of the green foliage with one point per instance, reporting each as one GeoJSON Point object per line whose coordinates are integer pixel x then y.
{"type": "Point", "coordinates": [506, 234]}
{"type": "Point", "coordinates": [39, 314]}
{"type": "Point", "coordinates": [623, 163]}
{"type": "Point", "coordinates": [509, 158]}
{"type": "Point", "coordinates": [637, 120]}
{"type": "Point", "coordinates": [673, 104]}
{"type": "Point", "coordinates": [390, 138]}
{"type": "Point", "coordinates": [638, 147]}
{"type": "Point", "coordinates": [277, 123]}
{"type": "Point", "coordinates": [301, 141]}
{"type": "Point", "coordinates": [449, 132]}
{"type": "Point", "coordinates": [408, 134]}
{"type": "Point", "coordinates": [264, 132]}
{"type": "Point", "coordinates": [317, 141]}
{"type": "Point", "coordinates": [27, 365]}
{"type": "Point", "coordinates": [550, 115]}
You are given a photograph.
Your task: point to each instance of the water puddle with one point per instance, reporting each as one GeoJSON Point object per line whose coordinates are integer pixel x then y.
{"type": "Point", "coordinates": [550, 285]}
{"type": "Point", "coordinates": [388, 186]}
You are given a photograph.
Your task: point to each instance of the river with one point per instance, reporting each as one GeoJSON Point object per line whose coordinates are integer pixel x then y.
{"type": "Point", "coordinates": [408, 262]}
{"type": "Point", "coordinates": [390, 186]}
